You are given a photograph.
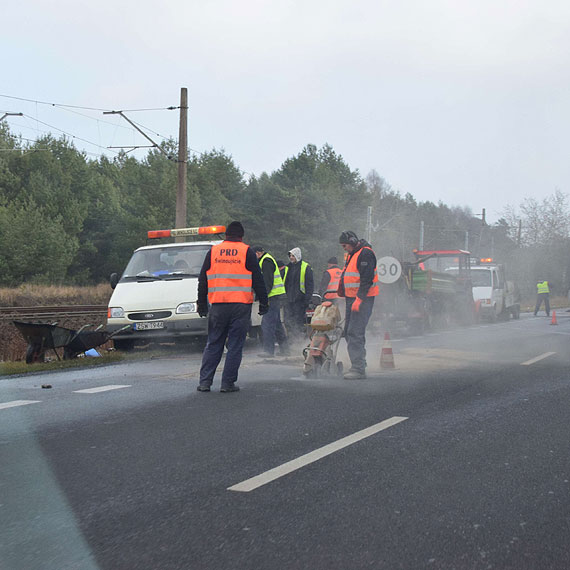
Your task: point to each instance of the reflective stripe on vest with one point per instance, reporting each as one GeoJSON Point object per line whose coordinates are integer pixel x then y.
{"type": "Point", "coordinates": [278, 285]}
{"type": "Point", "coordinates": [351, 278]}
{"type": "Point", "coordinates": [228, 279]}
{"type": "Point", "coordinates": [542, 287]}
{"type": "Point", "coordinates": [304, 266]}
{"type": "Point", "coordinates": [334, 273]}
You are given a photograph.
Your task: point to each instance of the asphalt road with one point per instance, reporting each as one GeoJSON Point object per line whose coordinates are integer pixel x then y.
{"type": "Point", "coordinates": [458, 458]}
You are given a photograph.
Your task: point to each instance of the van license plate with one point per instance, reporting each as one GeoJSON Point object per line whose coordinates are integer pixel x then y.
{"type": "Point", "coordinates": [149, 326]}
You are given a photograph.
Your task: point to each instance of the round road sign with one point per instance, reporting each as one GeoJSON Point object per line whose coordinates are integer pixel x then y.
{"type": "Point", "coordinates": [389, 269]}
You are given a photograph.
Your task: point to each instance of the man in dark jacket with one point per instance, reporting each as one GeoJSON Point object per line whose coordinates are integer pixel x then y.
{"type": "Point", "coordinates": [359, 284]}
{"type": "Point", "coordinates": [299, 286]}
{"type": "Point", "coordinates": [271, 325]}
{"type": "Point", "coordinates": [229, 277]}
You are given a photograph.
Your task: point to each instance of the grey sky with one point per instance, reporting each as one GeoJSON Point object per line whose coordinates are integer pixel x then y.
{"type": "Point", "coordinates": [464, 102]}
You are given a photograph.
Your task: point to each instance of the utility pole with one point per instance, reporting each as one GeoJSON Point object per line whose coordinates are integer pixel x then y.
{"type": "Point", "coordinates": [467, 240]}
{"type": "Point", "coordinates": [369, 225]}
{"type": "Point", "coordinates": [519, 234]}
{"type": "Point", "coordinates": [181, 194]}
{"type": "Point", "coordinates": [421, 236]}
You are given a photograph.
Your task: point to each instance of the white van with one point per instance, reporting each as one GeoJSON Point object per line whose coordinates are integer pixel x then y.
{"type": "Point", "coordinates": [157, 293]}
{"type": "Point", "coordinates": [495, 297]}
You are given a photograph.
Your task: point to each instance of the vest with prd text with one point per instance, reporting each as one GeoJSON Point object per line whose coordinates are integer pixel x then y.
{"type": "Point", "coordinates": [228, 279]}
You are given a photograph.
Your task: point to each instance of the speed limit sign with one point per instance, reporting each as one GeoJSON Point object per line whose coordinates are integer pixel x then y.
{"type": "Point", "coordinates": [389, 269]}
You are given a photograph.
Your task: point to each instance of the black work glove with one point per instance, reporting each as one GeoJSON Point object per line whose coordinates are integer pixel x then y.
{"type": "Point", "coordinates": [203, 310]}
{"type": "Point", "coordinates": [263, 309]}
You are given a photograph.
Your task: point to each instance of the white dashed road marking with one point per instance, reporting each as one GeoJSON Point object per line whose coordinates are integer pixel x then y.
{"type": "Point", "coordinates": [536, 359]}
{"type": "Point", "coordinates": [290, 466]}
{"type": "Point", "coordinates": [17, 403]}
{"type": "Point", "coordinates": [102, 389]}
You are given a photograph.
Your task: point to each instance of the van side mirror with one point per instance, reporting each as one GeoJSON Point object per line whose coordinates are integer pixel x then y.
{"type": "Point", "coordinates": [113, 280]}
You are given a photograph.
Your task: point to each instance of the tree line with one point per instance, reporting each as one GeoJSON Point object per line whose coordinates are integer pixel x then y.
{"type": "Point", "coordinates": [69, 219]}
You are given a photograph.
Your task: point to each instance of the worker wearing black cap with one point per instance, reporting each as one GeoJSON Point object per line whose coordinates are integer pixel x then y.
{"type": "Point", "coordinates": [330, 280]}
{"type": "Point", "coordinates": [271, 325]}
{"type": "Point", "coordinates": [229, 277]}
{"type": "Point", "coordinates": [359, 284]}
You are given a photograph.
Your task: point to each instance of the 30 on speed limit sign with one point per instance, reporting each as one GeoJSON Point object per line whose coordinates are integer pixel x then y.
{"type": "Point", "coordinates": [389, 269]}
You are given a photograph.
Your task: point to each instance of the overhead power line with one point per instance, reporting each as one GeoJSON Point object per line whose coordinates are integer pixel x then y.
{"type": "Point", "coordinates": [170, 108]}
{"type": "Point", "coordinates": [65, 132]}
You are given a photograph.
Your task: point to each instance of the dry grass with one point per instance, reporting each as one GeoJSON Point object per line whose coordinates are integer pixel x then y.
{"type": "Point", "coordinates": [49, 295]}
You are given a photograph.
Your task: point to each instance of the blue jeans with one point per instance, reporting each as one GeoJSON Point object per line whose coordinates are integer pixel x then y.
{"type": "Point", "coordinates": [354, 331]}
{"type": "Point", "coordinates": [272, 327]}
{"type": "Point", "coordinates": [225, 321]}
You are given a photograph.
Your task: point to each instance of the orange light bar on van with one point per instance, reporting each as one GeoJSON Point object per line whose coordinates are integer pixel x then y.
{"type": "Point", "coordinates": [154, 234]}
{"type": "Point", "coordinates": [212, 230]}
{"type": "Point", "coordinates": [486, 260]}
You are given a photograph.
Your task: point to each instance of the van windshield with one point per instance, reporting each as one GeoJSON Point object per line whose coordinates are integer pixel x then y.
{"type": "Point", "coordinates": [166, 263]}
{"type": "Point", "coordinates": [480, 277]}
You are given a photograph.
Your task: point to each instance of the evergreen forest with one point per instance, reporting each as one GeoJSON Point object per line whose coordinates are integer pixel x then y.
{"type": "Point", "coordinates": [69, 219]}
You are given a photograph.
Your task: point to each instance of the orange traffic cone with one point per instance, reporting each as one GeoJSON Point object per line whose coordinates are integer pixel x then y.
{"type": "Point", "coordinates": [387, 356]}
{"type": "Point", "coordinates": [553, 321]}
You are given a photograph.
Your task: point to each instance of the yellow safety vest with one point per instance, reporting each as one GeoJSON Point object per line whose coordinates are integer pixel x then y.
{"type": "Point", "coordinates": [542, 287]}
{"type": "Point", "coordinates": [304, 266]}
{"type": "Point", "coordinates": [278, 285]}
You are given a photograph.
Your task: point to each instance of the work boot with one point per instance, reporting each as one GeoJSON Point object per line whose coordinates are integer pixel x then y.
{"type": "Point", "coordinates": [353, 374]}
{"type": "Point", "coordinates": [202, 388]}
{"type": "Point", "coordinates": [229, 388]}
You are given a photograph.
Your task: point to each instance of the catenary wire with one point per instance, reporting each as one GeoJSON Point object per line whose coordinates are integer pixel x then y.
{"type": "Point", "coordinates": [170, 108]}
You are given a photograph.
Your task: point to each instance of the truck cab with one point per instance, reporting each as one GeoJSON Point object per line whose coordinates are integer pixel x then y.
{"type": "Point", "coordinates": [156, 296]}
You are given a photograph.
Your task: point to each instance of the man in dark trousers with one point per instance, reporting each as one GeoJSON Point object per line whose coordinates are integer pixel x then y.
{"type": "Point", "coordinates": [359, 284]}
{"type": "Point", "coordinates": [299, 286]}
{"type": "Point", "coordinates": [542, 294]}
{"type": "Point", "coordinates": [271, 325]}
{"type": "Point", "coordinates": [229, 277]}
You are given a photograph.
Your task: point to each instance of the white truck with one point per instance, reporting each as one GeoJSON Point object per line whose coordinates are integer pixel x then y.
{"type": "Point", "coordinates": [157, 293]}
{"type": "Point", "coordinates": [494, 296]}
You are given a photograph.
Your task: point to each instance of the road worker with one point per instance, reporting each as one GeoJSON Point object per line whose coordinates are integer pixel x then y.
{"type": "Point", "coordinates": [271, 326]}
{"type": "Point", "coordinates": [359, 285]}
{"type": "Point", "coordinates": [299, 286]}
{"type": "Point", "coordinates": [330, 280]}
{"type": "Point", "coordinates": [229, 277]}
{"type": "Point", "coordinates": [542, 294]}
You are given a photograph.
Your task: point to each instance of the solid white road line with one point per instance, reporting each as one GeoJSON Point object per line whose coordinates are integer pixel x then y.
{"type": "Point", "coordinates": [17, 403]}
{"type": "Point", "coordinates": [533, 360]}
{"type": "Point", "coordinates": [286, 468]}
{"type": "Point", "coordinates": [102, 389]}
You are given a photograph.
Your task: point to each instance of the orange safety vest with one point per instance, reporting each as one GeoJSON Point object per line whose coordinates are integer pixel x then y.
{"type": "Point", "coordinates": [228, 279]}
{"type": "Point", "coordinates": [335, 273]}
{"type": "Point", "coordinates": [351, 278]}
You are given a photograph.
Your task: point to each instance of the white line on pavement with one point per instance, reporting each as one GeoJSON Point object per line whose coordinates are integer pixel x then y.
{"type": "Point", "coordinates": [102, 389]}
{"type": "Point", "coordinates": [536, 359]}
{"type": "Point", "coordinates": [16, 403]}
{"type": "Point", "coordinates": [311, 457]}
